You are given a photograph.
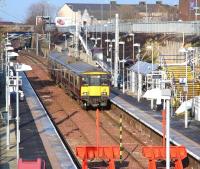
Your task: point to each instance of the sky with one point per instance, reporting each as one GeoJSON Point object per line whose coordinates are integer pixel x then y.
{"type": "Point", "coordinates": [16, 10]}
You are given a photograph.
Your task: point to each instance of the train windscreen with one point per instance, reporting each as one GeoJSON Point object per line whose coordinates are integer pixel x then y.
{"type": "Point", "coordinates": [95, 80]}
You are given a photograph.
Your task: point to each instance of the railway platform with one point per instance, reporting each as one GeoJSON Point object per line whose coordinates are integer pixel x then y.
{"type": "Point", "coordinates": [57, 153]}
{"type": "Point", "coordinates": [141, 111]}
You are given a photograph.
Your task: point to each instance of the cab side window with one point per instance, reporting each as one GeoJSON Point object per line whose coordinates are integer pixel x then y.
{"type": "Point", "coordinates": [85, 81]}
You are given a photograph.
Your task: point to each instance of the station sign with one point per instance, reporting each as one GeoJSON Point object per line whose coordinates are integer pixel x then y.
{"type": "Point", "coordinates": [13, 81]}
{"type": "Point", "coordinates": [63, 21]}
{"type": "Point", "coordinates": [182, 81]}
{"type": "Point", "coordinates": [156, 76]}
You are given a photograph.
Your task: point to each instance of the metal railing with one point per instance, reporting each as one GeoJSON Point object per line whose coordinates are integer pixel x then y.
{"type": "Point", "coordinates": [86, 47]}
{"type": "Point", "coordinates": [151, 27]}
{"type": "Point", "coordinates": [186, 27]}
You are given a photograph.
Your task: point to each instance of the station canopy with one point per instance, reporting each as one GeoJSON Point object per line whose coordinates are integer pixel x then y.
{"type": "Point", "coordinates": [143, 68]}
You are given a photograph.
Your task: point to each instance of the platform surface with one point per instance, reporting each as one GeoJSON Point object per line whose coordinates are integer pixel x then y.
{"type": "Point", "coordinates": [56, 151]}
{"type": "Point", "coordinates": [189, 137]}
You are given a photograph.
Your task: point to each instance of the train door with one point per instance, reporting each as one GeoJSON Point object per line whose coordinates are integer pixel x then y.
{"type": "Point", "coordinates": [62, 76]}
{"type": "Point", "coordinates": [67, 79]}
{"type": "Point", "coordinates": [71, 82]}
{"type": "Point", "coordinates": [77, 86]}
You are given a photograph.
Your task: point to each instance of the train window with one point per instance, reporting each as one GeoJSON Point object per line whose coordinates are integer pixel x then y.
{"type": "Point", "coordinates": [71, 78]}
{"type": "Point", "coordinates": [104, 80]}
{"type": "Point", "coordinates": [66, 75]}
{"type": "Point", "coordinates": [63, 72]}
{"type": "Point", "coordinates": [95, 80]}
{"type": "Point", "coordinates": [85, 81]}
{"type": "Point", "coordinates": [78, 83]}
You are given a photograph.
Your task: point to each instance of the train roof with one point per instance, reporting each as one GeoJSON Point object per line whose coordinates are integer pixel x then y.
{"type": "Point", "coordinates": [78, 67]}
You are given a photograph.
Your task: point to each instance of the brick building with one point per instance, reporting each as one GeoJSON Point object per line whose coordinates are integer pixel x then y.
{"type": "Point", "coordinates": [187, 10]}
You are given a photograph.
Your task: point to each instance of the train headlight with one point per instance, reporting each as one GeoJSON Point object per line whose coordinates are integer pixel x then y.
{"type": "Point", "coordinates": [85, 93]}
{"type": "Point", "coordinates": [104, 93]}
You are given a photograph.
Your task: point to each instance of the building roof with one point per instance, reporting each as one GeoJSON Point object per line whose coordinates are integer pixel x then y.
{"type": "Point", "coordinates": [78, 67]}
{"type": "Point", "coordinates": [99, 11]}
{"type": "Point", "coordinates": [125, 11]}
{"type": "Point", "coordinates": [144, 67]}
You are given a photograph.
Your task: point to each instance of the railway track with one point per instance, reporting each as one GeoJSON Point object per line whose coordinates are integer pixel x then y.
{"type": "Point", "coordinates": [67, 118]}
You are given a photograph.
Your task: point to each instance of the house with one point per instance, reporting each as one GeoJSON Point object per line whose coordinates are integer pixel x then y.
{"type": "Point", "coordinates": [187, 10]}
{"type": "Point", "coordinates": [93, 13]}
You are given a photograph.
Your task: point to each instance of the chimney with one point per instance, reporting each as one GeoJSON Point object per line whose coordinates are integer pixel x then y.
{"type": "Point", "coordinates": [159, 2]}
{"type": "Point", "coordinates": [142, 3]}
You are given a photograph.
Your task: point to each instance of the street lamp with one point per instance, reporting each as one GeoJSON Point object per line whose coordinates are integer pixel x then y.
{"type": "Point", "coordinates": [139, 76]}
{"type": "Point", "coordinates": [164, 94]}
{"type": "Point", "coordinates": [65, 40]}
{"type": "Point", "coordinates": [7, 48]}
{"type": "Point", "coordinates": [110, 48]}
{"type": "Point", "coordinates": [95, 40]}
{"type": "Point", "coordinates": [19, 68]}
{"type": "Point", "coordinates": [107, 36]}
{"type": "Point", "coordinates": [133, 35]}
{"type": "Point", "coordinates": [123, 43]}
{"type": "Point", "coordinates": [183, 50]}
{"type": "Point", "coordinates": [151, 48]}
{"type": "Point", "coordinates": [192, 51]}
{"type": "Point", "coordinates": [72, 39]}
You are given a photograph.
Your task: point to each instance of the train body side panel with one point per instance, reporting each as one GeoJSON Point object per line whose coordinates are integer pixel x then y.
{"type": "Point", "coordinates": [95, 90]}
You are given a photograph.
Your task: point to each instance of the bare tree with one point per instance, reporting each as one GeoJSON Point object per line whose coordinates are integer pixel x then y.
{"type": "Point", "coordinates": [39, 9]}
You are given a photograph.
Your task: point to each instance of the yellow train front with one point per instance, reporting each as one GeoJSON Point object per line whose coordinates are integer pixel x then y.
{"type": "Point", "coordinates": [89, 85]}
{"type": "Point", "coordinates": [95, 88]}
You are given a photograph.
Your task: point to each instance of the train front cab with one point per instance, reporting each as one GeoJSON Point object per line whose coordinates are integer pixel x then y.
{"type": "Point", "coordinates": [95, 89]}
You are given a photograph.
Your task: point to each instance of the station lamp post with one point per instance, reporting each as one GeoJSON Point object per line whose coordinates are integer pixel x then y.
{"type": "Point", "coordinates": [106, 26]}
{"type": "Point", "coordinates": [65, 40]}
{"type": "Point", "coordinates": [95, 40]}
{"type": "Point", "coordinates": [8, 54]}
{"type": "Point", "coordinates": [19, 68]}
{"type": "Point", "coordinates": [138, 70]}
{"type": "Point", "coordinates": [164, 94]}
{"type": "Point", "coordinates": [185, 52]}
{"type": "Point", "coordinates": [192, 51]}
{"type": "Point", "coordinates": [7, 92]}
{"type": "Point", "coordinates": [123, 83]}
{"type": "Point", "coordinates": [72, 38]}
{"type": "Point", "coordinates": [188, 51]}
{"type": "Point", "coordinates": [151, 48]}
{"type": "Point", "coordinates": [133, 36]}
{"type": "Point", "coordinates": [109, 41]}
{"type": "Point", "coordinates": [86, 36]}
